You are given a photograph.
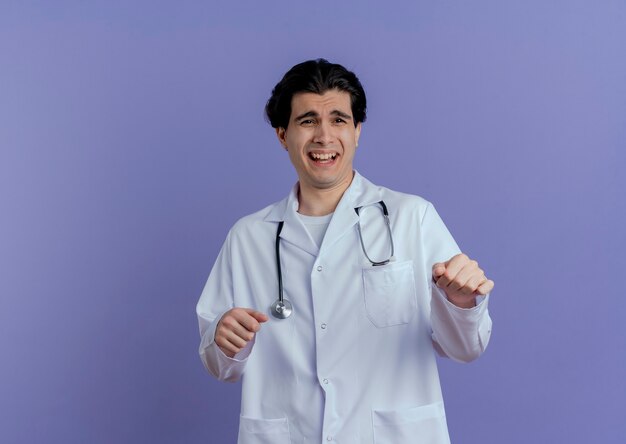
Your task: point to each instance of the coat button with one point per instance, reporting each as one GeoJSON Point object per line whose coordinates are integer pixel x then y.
{"type": "Point", "coordinates": [319, 268]}
{"type": "Point", "coordinates": [323, 326]}
{"type": "Point", "coordinates": [325, 381]}
{"type": "Point", "coordinates": [329, 438]}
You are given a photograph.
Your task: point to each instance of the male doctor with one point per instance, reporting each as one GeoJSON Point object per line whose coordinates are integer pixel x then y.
{"type": "Point", "coordinates": [373, 284]}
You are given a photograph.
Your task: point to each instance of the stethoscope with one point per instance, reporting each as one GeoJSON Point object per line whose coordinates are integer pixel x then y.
{"type": "Point", "coordinates": [282, 308]}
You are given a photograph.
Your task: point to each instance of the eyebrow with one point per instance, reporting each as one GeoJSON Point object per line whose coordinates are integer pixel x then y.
{"type": "Point", "coordinates": [335, 112]}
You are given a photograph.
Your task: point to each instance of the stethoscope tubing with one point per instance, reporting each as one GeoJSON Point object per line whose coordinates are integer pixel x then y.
{"type": "Point", "coordinates": [280, 271]}
{"type": "Point", "coordinates": [282, 308]}
{"type": "Point", "coordinates": [386, 216]}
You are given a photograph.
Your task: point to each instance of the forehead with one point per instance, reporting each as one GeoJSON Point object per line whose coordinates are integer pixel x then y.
{"type": "Point", "coordinates": [330, 101]}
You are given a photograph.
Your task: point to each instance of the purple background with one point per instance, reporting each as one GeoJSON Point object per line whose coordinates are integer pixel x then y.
{"type": "Point", "coordinates": [132, 137]}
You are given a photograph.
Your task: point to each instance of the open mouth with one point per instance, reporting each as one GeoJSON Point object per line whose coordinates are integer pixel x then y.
{"type": "Point", "coordinates": [323, 157]}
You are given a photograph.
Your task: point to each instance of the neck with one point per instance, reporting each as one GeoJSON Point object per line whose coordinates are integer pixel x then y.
{"type": "Point", "coordinates": [320, 202]}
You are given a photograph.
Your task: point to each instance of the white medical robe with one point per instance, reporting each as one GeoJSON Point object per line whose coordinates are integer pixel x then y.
{"type": "Point", "coordinates": [355, 362]}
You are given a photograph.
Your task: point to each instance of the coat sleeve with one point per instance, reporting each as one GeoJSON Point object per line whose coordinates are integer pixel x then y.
{"type": "Point", "coordinates": [216, 299]}
{"type": "Point", "coordinates": [458, 333]}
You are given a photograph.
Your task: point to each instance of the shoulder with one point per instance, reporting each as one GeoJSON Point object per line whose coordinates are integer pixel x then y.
{"type": "Point", "coordinates": [367, 191]}
{"type": "Point", "coordinates": [405, 203]}
{"type": "Point", "coordinates": [254, 224]}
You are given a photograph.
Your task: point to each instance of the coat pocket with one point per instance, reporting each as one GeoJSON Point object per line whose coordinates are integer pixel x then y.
{"type": "Point", "coordinates": [263, 431]}
{"type": "Point", "coordinates": [416, 425]}
{"type": "Point", "coordinates": [389, 293]}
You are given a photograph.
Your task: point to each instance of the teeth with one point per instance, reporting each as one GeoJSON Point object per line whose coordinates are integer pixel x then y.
{"type": "Point", "coordinates": [323, 156]}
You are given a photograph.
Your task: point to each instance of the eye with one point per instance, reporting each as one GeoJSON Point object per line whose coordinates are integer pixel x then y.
{"type": "Point", "coordinates": [306, 122]}
{"type": "Point", "coordinates": [339, 120]}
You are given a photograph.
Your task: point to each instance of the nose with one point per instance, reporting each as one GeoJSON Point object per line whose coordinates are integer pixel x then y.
{"type": "Point", "coordinates": [323, 134]}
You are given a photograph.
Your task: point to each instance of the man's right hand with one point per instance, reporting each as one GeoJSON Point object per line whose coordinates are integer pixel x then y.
{"type": "Point", "coordinates": [236, 328]}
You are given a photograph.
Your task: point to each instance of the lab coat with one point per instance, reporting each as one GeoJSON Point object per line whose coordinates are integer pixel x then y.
{"type": "Point", "coordinates": [355, 362]}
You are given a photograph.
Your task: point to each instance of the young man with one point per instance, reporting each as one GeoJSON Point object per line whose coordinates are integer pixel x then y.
{"type": "Point", "coordinates": [331, 302]}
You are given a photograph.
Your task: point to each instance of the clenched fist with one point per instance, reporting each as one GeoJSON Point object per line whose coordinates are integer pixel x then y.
{"type": "Point", "coordinates": [462, 280]}
{"type": "Point", "coordinates": [236, 328]}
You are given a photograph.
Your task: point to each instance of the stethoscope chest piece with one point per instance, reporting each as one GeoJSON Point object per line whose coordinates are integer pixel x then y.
{"type": "Point", "coordinates": [282, 309]}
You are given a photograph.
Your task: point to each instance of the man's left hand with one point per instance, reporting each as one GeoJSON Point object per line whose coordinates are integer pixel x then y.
{"type": "Point", "coordinates": [462, 280]}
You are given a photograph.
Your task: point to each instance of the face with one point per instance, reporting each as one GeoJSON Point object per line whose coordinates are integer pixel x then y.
{"type": "Point", "coordinates": [321, 139]}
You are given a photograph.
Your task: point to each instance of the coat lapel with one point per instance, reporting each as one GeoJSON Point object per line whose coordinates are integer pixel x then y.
{"type": "Point", "coordinates": [361, 192]}
{"type": "Point", "coordinates": [294, 230]}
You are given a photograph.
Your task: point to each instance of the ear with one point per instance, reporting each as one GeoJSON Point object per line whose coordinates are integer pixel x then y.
{"type": "Point", "coordinates": [281, 133]}
{"type": "Point", "coordinates": [357, 134]}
